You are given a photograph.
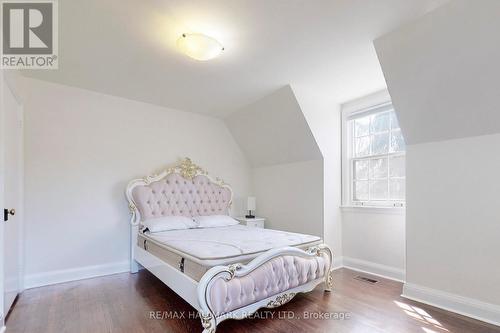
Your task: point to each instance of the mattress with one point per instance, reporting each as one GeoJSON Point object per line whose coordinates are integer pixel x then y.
{"type": "Point", "coordinates": [194, 251]}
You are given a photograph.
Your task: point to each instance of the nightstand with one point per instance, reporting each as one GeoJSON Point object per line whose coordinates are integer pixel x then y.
{"type": "Point", "coordinates": [258, 222]}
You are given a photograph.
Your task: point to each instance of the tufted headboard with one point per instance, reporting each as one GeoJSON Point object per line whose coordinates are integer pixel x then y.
{"type": "Point", "coordinates": [183, 189]}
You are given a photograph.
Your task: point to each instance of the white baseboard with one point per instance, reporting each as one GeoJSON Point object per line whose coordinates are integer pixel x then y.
{"type": "Point", "coordinates": [337, 263]}
{"type": "Point", "coordinates": [469, 307]}
{"type": "Point", "coordinates": [73, 274]}
{"type": "Point", "coordinates": [387, 272]}
{"type": "Point", "coordinates": [2, 329]}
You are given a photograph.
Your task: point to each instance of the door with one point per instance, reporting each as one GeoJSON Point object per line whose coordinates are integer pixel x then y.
{"type": "Point", "coordinates": [12, 190]}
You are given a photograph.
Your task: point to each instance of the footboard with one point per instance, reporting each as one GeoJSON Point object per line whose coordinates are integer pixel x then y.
{"type": "Point", "coordinates": [270, 280]}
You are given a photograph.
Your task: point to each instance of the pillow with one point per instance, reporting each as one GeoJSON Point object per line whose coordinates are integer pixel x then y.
{"type": "Point", "coordinates": [211, 221]}
{"type": "Point", "coordinates": [166, 223]}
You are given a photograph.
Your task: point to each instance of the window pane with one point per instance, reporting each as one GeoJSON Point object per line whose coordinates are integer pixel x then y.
{"type": "Point", "coordinates": [394, 121]}
{"type": "Point", "coordinates": [397, 189]}
{"type": "Point", "coordinates": [361, 169]}
{"type": "Point", "coordinates": [378, 168]}
{"type": "Point", "coordinates": [397, 166]}
{"type": "Point", "coordinates": [378, 190]}
{"type": "Point", "coordinates": [362, 146]}
{"type": "Point", "coordinates": [361, 126]}
{"type": "Point", "coordinates": [380, 143]}
{"type": "Point", "coordinates": [397, 141]}
{"type": "Point", "coordinates": [380, 122]}
{"type": "Point", "coordinates": [360, 190]}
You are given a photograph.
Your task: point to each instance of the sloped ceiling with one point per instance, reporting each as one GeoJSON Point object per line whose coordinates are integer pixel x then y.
{"type": "Point", "coordinates": [274, 131]}
{"type": "Point", "coordinates": [443, 72]}
{"type": "Point", "coordinates": [128, 48]}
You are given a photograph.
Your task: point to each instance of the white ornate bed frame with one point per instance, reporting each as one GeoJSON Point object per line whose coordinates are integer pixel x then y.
{"type": "Point", "coordinates": [198, 294]}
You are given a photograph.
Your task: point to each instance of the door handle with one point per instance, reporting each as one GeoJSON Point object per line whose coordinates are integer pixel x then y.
{"type": "Point", "coordinates": [7, 212]}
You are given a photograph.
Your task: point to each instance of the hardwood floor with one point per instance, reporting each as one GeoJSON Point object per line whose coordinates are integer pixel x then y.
{"type": "Point", "coordinates": [141, 303]}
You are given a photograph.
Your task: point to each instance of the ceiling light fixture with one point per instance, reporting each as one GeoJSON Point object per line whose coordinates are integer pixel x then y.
{"type": "Point", "coordinates": [200, 47]}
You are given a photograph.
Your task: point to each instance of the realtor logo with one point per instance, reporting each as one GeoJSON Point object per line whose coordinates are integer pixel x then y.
{"type": "Point", "coordinates": [29, 34]}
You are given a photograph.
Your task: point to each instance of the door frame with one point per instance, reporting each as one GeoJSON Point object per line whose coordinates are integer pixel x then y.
{"type": "Point", "coordinates": [4, 80]}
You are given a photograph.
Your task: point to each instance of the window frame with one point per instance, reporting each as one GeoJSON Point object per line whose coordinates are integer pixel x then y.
{"type": "Point", "coordinates": [368, 104]}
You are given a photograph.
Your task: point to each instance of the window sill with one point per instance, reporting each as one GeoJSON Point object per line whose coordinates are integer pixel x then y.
{"type": "Point", "coordinates": [374, 210]}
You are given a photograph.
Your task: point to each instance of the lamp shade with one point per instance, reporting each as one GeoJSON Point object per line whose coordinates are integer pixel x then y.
{"type": "Point", "coordinates": [251, 203]}
{"type": "Point", "coordinates": [199, 46]}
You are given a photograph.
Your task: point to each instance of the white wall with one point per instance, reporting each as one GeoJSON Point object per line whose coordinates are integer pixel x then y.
{"type": "Point", "coordinates": [442, 74]}
{"type": "Point", "coordinates": [374, 241]}
{"type": "Point", "coordinates": [290, 196]}
{"type": "Point", "coordinates": [323, 117]}
{"type": "Point", "coordinates": [81, 150]}
{"type": "Point", "coordinates": [453, 217]}
{"type": "Point", "coordinates": [287, 162]}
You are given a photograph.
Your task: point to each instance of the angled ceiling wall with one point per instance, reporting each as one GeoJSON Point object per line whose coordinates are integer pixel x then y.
{"type": "Point", "coordinates": [443, 75]}
{"type": "Point", "coordinates": [287, 175]}
{"type": "Point", "coordinates": [274, 131]}
{"type": "Point", "coordinates": [443, 72]}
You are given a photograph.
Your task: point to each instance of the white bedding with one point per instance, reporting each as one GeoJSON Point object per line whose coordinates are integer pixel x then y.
{"type": "Point", "coordinates": [218, 246]}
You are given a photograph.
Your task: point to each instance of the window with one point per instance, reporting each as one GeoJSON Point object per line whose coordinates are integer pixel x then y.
{"type": "Point", "coordinates": [374, 157]}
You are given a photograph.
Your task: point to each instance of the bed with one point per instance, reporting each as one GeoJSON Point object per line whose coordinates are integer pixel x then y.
{"type": "Point", "coordinates": [225, 272]}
